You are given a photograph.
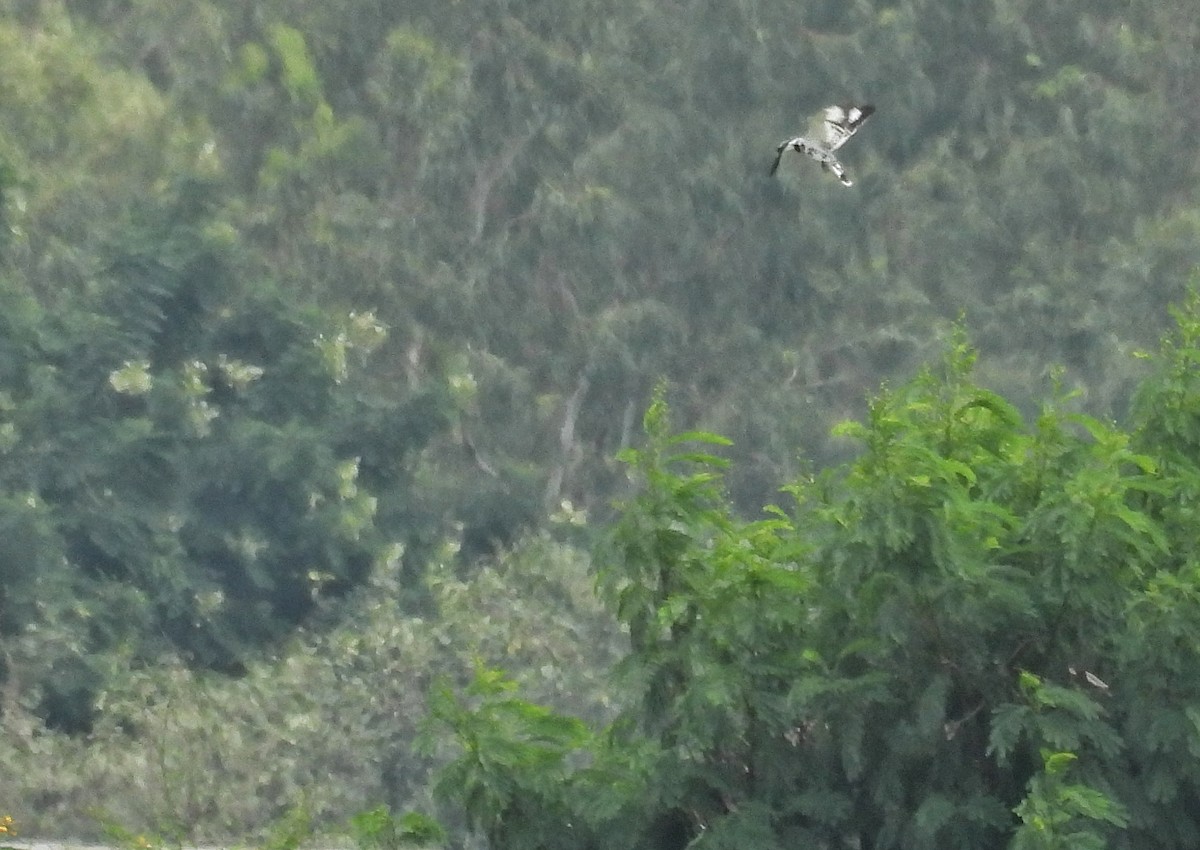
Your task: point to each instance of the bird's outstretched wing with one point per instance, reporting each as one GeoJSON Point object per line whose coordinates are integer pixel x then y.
{"type": "Point", "coordinates": [778, 156]}
{"type": "Point", "coordinates": [841, 122]}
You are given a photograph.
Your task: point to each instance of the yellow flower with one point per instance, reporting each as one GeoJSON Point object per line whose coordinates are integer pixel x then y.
{"type": "Point", "coordinates": [7, 826]}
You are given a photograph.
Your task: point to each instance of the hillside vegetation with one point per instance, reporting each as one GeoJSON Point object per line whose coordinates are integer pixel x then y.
{"type": "Point", "coordinates": [325, 322]}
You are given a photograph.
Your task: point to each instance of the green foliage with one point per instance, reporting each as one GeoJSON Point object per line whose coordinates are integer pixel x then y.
{"type": "Point", "coordinates": [328, 721]}
{"type": "Point", "coordinates": [946, 643]}
{"type": "Point", "coordinates": [282, 285]}
{"type": "Point", "coordinates": [287, 833]}
{"type": "Point", "coordinates": [575, 197]}
{"type": "Point", "coordinates": [1056, 814]}
{"type": "Point", "coordinates": [185, 462]}
{"type": "Point", "coordinates": [291, 830]}
{"type": "Point", "coordinates": [118, 835]}
{"type": "Point", "coordinates": [378, 829]}
{"type": "Point", "coordinates": [515, 757]}
{"type": "Point", "coordinates": [298, 72]}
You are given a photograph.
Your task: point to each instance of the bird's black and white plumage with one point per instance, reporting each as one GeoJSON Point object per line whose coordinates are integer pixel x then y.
{"type": "Point", "coordinates": [828, 130]}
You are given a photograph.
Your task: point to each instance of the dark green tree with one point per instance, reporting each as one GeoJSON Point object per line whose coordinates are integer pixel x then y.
{"type": "Point", "coordinates": [201, 453]}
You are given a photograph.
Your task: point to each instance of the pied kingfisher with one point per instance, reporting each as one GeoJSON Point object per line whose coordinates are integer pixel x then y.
{"type": "Point", "coordinates": [828, 130]}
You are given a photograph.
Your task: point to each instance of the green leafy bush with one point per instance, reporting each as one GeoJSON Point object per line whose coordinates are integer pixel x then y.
{"type": "Point", "coordinates": [971, 636]}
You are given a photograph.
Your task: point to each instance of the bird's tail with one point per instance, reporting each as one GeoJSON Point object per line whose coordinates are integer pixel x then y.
{"type": "Point", "coordinates": [839, 171]}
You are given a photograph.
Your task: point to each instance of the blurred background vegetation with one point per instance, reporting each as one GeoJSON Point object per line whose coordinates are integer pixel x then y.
{"type": "Point", "coordinates": [322, 322]}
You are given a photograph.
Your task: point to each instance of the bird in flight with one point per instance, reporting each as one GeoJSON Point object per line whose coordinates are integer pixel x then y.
{"type": "Point", "coordinates": [828, 130]}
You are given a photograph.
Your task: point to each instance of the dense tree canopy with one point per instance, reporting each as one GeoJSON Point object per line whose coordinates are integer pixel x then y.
{"type": "Point", "coordinates": [191, 457]}
{"type": "Point", "coordinates": [289, 287]}
{"type": "Point", "coordinates": [568, 202]}
{"type": "Point", "coordinates": [979, 633]}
